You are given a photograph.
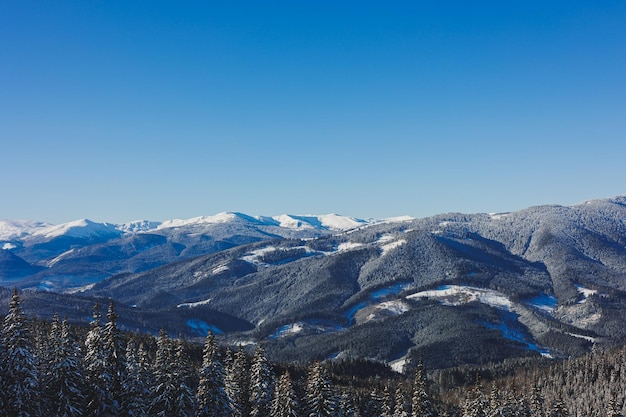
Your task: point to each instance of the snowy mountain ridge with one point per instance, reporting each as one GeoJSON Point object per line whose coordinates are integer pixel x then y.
{"type": "Point", "coordinates": [20, 230]}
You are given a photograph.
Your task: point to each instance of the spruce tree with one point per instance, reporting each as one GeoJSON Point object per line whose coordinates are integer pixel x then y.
{"type": "Point", "coordinates": [475, 404]}
{"type": "Point", "coordinates": [320, 398]}
{"type": "Point", "coordinates": [185, 399]}
{"type": "Point", "coordinates": [375, 403]}
{"type": "Point", "coordinates": [237, 383]}
{"type": "Point", "coordinates": [401, 408]}
{"type": "Point", "coordinates": [114, 356]}
{"type": "Point", "coordinates": [135, 392]}
{"type": "Point", "coordinates": [100, 402]}
{"type": "Point", "coordinates": [420, 402]}
{"type": "Point", "coordinates": [285, 401]}
{"type": "Point", "coordinates": [212, 397]}
{"type": "Point", "coordinates": [67, 381]}
{"type": "Point", "coordinates": [20, 380]}
{"type": "Point", "coordinates": [388, 402]}
{"type": "Point", "coordinates": [261, 384]}
{"type": "Point", "coordinates": [164, 395]}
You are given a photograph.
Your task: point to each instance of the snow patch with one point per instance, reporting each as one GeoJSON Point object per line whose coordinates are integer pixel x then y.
{"type": "Point", "coordinates": [398, 365]}
{"type": "Point", "coordinates": [8, 246]}
{"type": "Point", "coordinates": [307, 327]}
{"type": "Point", "coordinates": [219, 269]}
{"type": "Point", "coordinates": [348, 246]}
{"type": "Point", "coordinates": [194, 304]}
{"type": "Point", "coordinates": [454, 295]}
{"type": "Point", "coordinates": [253, 257]}
{"type": "Point", "coordinates": [223, 217]}
{"type": "Point", "coordinates": [138, 226]}
{"type": "Point", "coordinates": [586, 293]}
{"type": "Point", "coordinates": [391, 246]}
{"type": "Point", "coordinates": [386, 309]}
{"type": "Point", "coordinates": [544, 302]}
{"type": "Point", "coordinates": [58, 258]}
{"type": "Point", "coordinates": [580, 336]}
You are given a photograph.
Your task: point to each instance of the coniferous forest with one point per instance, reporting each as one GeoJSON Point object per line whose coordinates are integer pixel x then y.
{"type": "Point", "coordinates": [52, 368]}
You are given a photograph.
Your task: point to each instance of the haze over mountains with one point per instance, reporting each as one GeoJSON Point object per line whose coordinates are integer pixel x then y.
{"type": "Point", "coordinates": [457, 288]}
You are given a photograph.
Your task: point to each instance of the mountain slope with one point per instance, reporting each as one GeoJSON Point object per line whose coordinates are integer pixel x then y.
{"type": "Point", "coordinates": [82, 252]}
{"type": "Point", "coordinates": [561, 271]}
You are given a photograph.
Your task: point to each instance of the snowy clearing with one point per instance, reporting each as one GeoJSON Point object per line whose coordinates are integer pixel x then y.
{"type": "Point", "coordinates": [348, 246]}
{"type": "Point", "coordinates": [545, 303]}
{"type": "Point", "coordinates": [455, 295]}
{"type": "Point", "coordinates": [391, 246]}
{"type": "Point", "coordinates": [253, 257]}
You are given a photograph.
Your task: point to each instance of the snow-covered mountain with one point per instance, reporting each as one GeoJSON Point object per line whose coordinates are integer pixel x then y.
{"type": "Point", "coordinates": [23, 230]}
{"type": "Point", "coordinates": [80, 252]}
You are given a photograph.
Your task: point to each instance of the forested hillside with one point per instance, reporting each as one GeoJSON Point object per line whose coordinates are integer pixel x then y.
{"type": "Point", "coordinates": [55, 369]}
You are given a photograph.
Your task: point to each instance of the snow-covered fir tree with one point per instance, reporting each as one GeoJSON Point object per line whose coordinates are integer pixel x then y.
{"type": "Point", "coordinates": [401, 406]}
{"type": "Point", "coordinates": [164, 393]}
{"type": "Point", "coordinates": [100, 402]}
{"type": "Point", "coordinates": [20, 387]}
{"type": "Point", "coordinates": [237, 383]}
{"type": "Point", "coordinates": [285, 402]}
{"type": "Point", "coordinates": [420, 402]}
{"type": "Point", "coordinates": [66, 383]}
{"type": "Point", "coordinates": [320, 396]}
{"type": "Point", "coordinates": [211, 396]}
{"type": "Point", "coordinates": [114, 355]}
{"type": "Point", "coordinates": [135, 389]}
{"type": "Point", "coordinates": [185, 398]}
{"type": "Point", "coordinates": [388, 402]}
{"type": "Point", "coordinates": [375, 404]}
{"type": "Point", "coordinates": [475, 404]}
{"type": "Point", "coordinates": [261, 384]}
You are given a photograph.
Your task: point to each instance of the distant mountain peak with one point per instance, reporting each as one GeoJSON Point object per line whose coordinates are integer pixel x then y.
{"type": "Point", "coordinates": [82, 228]}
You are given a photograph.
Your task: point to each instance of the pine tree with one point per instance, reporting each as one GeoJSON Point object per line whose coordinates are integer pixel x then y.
{"type": "Point", "coordinates": [185, 399]}
{"type": "Point", "coordinates": [237, 384]}
{"type": "Point", "coordinates": [401, 408]}
{"type": "Point", "coordinates": [67, 378]}
{"type": "Point", "coordinates": [212, 397]}
{"type": "Point", "coordinates": [475, 404]}
{"type": "Point", "coordinates": [20, 379]}
{"type": "Point", "coordinates": [421, 403]}
{"type": "Point", "coordinates": [164, 396]}
{"type": "Point", "coordinates": [320, 398]}
{"type": "Point", "coordinates": [285, 401]}
{"type": "Point", "coordinates": [261, 384]}
{"type": "Point", "coordinates": [135, 393]}
{"type": "Point", "coordinates": [114, 351]}
{"type": "Point", "coordinates": [100, 403]}
{"type": "Point", "coordinates": [375, 404]}
{"type": "Point", "coordinates": [388, 402]}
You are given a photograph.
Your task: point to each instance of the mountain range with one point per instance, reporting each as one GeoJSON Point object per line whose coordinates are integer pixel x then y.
{"type": "Point", "coordinates": [456, 288]}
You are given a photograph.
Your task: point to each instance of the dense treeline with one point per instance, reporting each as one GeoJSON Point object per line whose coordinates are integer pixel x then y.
{"type": "Point", "coordinates": [54, 369]}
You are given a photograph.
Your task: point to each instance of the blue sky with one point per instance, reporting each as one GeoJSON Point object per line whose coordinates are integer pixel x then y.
{"type": "Point", "coordinates": [120, 110]}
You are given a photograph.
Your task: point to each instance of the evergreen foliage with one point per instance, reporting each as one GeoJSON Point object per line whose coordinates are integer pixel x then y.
{"type": "Point", "coordinates": [212, 397]}
{"type": "Point", "coordinates": [285, 402]}
{"type": "Point", "coordinates": [19, 373]}
{"type": "Point", "coordinates": [71, 373]}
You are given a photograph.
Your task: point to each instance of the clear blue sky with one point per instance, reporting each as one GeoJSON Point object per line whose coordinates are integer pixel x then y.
{"type": "Point", "coordinates": [120, 110]}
